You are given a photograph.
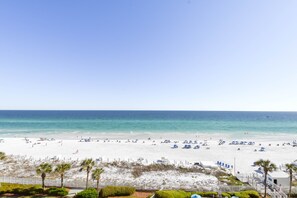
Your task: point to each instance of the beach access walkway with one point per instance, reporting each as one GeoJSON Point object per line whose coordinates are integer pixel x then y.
{"type": "Point", "coordinates": [257, 182]}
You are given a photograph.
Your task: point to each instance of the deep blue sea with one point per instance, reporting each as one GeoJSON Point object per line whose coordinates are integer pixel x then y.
{"type": "Point", "coordinates": [24, 122]}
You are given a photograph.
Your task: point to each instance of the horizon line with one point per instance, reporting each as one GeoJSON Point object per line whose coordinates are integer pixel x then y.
{"type": "Point", "coordinates": [184, 110]}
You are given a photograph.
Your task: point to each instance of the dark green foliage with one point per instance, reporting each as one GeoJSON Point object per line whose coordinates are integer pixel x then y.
{"type": "Point", "coordinates": [57, 191]}
{"type": "Point", "coordinates": [252, 193]}
{"type": "Point", "coordinates": [25, 189]}
{"type": "Point", "coordinates": [183, 194]}
{"type": "Point", "coordinates": [172, 194]}
{"type": "Point", "coordinates": [241, 195]}
{"type": "Point", "coordinates": [225, 194]}
{"type": "Point", "coordinates": [34, 190]}
{"type": "Point", "coordinates": [245, 194]}
{"type": "Point", "coordinates": [88, 193]}
{"type": "Point", "coordinates": [20, 189]}
{"type": "Point", "coordinates": [116, 191]}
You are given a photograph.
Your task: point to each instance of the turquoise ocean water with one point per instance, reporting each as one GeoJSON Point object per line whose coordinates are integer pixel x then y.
{"type": "Point", "coordinates": [30, 122]}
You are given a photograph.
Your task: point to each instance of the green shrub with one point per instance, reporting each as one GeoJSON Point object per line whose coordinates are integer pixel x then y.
{"type": "Point", "coordinates": [241, 195]}
{"type": "Point", "coordinates": [163, 194]}
{"type": "Point", "coordinates": [28, 191]}
{"type": "Point", "coordinates": [252, 193]}
{"type": "Point", "coordinates": [88, 193]}
{"type": "Point", "coordinates": [172, 194]}
{"type": "Point", "coordinates": [57, 191]}
{"type": "Point", "coordinates": [20, 189]}
{"type": "Point", "coordinates": [225, 194]}
{"type": "Point", "coordinates": [116, 191]}
{"type": "Point", "coordinates": [182, 194]}
{"type": "Point", "coordinates": [25, 189]}
{"type": "Point", "coordinates": [245, 194]}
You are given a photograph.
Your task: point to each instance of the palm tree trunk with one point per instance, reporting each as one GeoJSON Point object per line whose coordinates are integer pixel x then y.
{"type": "Point", "coordinates": [97, 185]}
{"type": "Point", "coordinates": [43, 186]}
{"type": "Point", "coordinates": [87, 179]}
{"type": "Point", "coordinates": [265, 184]}
{"type": "Point", "coordinates": [291, 178]}
{"type": "Point", "coordinates": [62, 178]}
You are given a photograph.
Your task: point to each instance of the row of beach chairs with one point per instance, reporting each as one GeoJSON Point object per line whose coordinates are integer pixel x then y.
{"type": "Point", "coordinates": [224, 165]}
{"type": "Point", "coordinates": [186, 146]}
{"type": "Point", "coordinates": [241, 143]}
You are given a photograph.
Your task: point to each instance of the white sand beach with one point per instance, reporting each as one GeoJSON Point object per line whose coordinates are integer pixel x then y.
{"type": "Point", "coordinates": [240, 158]}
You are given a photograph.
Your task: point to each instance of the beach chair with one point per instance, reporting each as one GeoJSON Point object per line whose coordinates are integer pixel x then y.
{"type": "Point", "coordinates": [262, 149]}
{"type": "Point", "coordinates": [187, 146]}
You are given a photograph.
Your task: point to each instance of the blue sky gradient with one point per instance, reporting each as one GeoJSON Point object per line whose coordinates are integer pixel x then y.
{"type": "Point", "coordinates": [154, 55]}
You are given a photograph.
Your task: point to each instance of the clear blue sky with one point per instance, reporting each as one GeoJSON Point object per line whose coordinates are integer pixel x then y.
{"type": "Point", "coordinates": [152, 54]}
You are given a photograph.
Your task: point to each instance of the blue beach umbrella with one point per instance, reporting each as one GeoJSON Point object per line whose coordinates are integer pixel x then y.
{"type": "Point", "coordinates": [195, 196]}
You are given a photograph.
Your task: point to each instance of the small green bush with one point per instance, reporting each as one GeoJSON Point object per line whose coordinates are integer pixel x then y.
{"type": "Point", "coordinates": [57, 191]}
{"type": "Point", "coordinates": [20, 189]}
{"type": "Point", "coordinates": [34, 190]}
{"type": "Point", "coordinates": [225, 194]}
{"type": "Point", "coordinates": [116, 191]}
{"type": "Point", "coordinates": [252, 193]}
{"type": "Point", "coordinates": [241, 195]}
{"type": "Point", "coordinates": [88, 193]}
{"type": "Point", "coordinates": [183, 194]}
{"type": "Point", "coordinates": [245, 194]}
{"type": "Point", "coordinates": [172, 194]}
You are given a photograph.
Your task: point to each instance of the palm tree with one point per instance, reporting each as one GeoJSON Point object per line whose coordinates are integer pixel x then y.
{"type": "Point", "coordinates": [87, 165]}
{"type": "Point", "coordinates": [291, 168]}
{"type": "Point", "coordinates": [96, 176]}
{"type": "Point", "coordinates": [43, 169]}
{"type": "Point", "coordinates": [267, 167]}
{"type": "Point", "coordinates": [61, 169]}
